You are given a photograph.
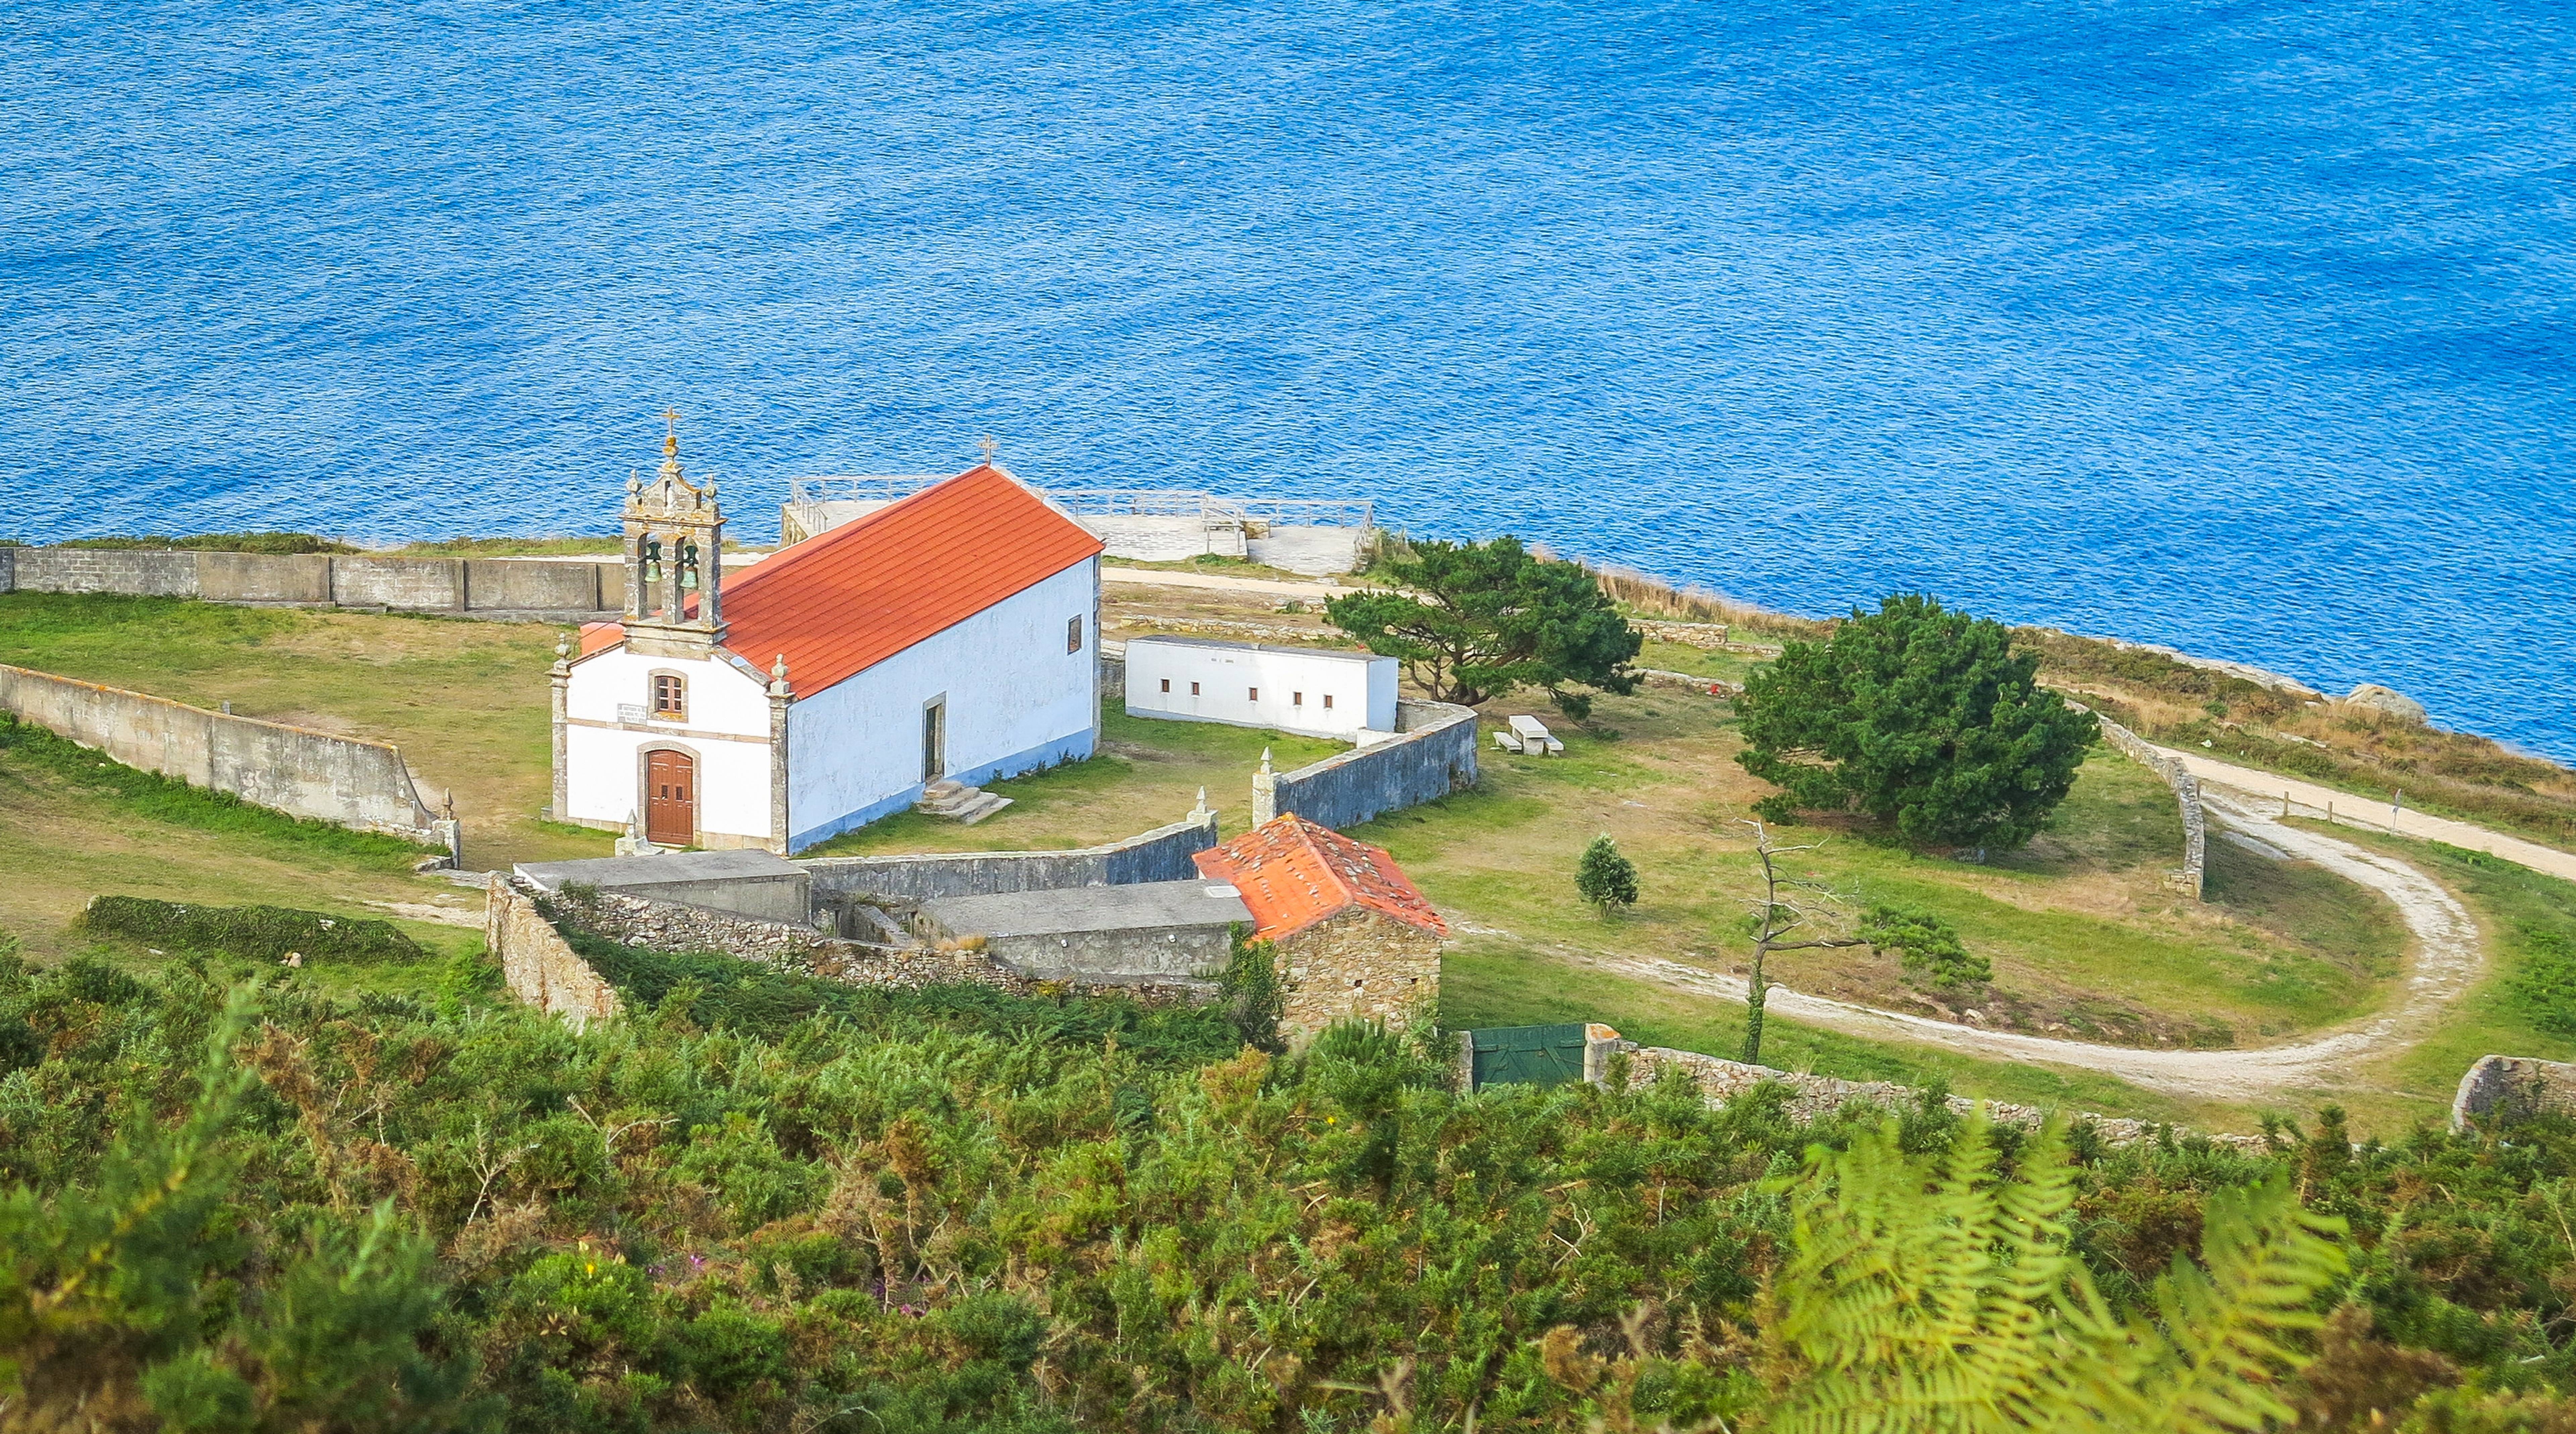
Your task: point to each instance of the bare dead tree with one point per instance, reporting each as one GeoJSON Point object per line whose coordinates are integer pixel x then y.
{"type": "Point", "coordinates": [1777, 919]}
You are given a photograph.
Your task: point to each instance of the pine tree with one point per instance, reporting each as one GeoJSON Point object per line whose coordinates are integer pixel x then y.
{"type": "Point", "coordinates": [1604, 877]}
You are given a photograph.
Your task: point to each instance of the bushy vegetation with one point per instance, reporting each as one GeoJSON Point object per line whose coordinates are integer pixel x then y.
{"type": "Point", "coordinates": [254, 542]}
{"type": "Point", "coordinates": [261, 933]}
{"type": "Point", "coordinates": [1924, 718]}
{"type": "Point", "coordinates": [308, 1213]}
{"type": "Point", "coordinates": [1604, 877]}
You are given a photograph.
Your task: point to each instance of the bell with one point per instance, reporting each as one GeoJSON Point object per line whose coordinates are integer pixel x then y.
{"type": "Point", "coordinates": [689, 567]}
{"type": "Point", "coordinates": [652, 560]}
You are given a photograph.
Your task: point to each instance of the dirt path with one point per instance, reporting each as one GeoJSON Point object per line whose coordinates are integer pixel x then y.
{"type": "Point", "coordinates": [1266, 587]}
{"type": "Point", "coordinates": [2446, 961]}
{"type": "Point", "coordinates": [2264, 791]}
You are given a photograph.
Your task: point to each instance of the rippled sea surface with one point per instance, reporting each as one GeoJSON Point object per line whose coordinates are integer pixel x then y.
{"type": "Point", "coordinates": [2244, 327]}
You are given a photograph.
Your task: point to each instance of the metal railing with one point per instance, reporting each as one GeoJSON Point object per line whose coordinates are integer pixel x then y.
{"type": "Point", "coordinates": [807, 499]}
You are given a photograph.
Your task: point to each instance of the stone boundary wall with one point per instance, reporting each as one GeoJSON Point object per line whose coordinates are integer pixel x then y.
{"type": "Point", "coordinates": [540, 969]}
{"type": "Point", "coordinates": [343, 780]}
{"type": "Point", "coordinates": [672, 926]}
{"type": "Point", "coordinates": [1815, 1096]}
{"type": "Point", "coordinates": [2194, 875]}
{"type": "Point", "coordinates": [1707, 636]}
{"type": "Point", "coordinates": [2513, 1085]}
{"type": "Point", "coordinates": [1162, 854]}
{"type": "Point", "coordinates": [1434, 756]}
{"type": "Point", "coordinates": [531, 590]}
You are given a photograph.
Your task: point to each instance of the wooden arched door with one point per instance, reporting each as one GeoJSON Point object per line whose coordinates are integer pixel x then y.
{"type": "Point", "coordinates": [670, 798]}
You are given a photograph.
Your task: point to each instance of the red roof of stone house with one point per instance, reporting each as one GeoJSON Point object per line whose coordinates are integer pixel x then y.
{"type": "Point", "coordinates": [843, 601]}
{"type": "Point", "coordinates": [1292, 873]}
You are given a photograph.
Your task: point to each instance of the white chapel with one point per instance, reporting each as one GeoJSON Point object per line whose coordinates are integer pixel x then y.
{"type": "Point", "coordinates": [947, 636]}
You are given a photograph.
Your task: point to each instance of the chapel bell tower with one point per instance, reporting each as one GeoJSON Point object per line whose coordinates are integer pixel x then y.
{"type": "Point", "coordinates": [674, 559]}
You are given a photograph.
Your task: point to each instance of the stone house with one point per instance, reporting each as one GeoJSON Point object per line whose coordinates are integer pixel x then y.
{"type": "Point", "coordinates": [1353, 936]}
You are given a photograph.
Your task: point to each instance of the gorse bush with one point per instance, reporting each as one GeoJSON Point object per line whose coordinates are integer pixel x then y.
{"type": "Point", "coordinates": [317, 1214]}
{"type": "Point", "coordinates": [260, 933]}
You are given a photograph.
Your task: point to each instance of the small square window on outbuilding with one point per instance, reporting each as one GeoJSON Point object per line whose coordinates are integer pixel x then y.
{"type": "Point", "coordinates": [1296, 699]}
{"type": "Point", "coordinates": [1328, 702]}
{"type": "Point", "coordinates": [1194, 689]}
{"type": "Point", "coordinates": [1073, 634]}
{"type": "Point", "coordinates": [1167, 684]}
{"type": "Point", "coordinates": [1252, 694]}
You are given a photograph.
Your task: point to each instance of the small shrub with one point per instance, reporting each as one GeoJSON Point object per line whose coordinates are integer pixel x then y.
{"type": "Point", "coordinates": [259, 933]}
{"type": "Point", "coordinates": [1604, 877]}
{"type": "Point", "coordinates": [1932, 953]}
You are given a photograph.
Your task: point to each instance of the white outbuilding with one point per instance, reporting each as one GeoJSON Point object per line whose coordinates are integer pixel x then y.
{"type": "Point", "coordinates": [1309, 690]}
{"type": "Point", "coordinates": [952, 636]}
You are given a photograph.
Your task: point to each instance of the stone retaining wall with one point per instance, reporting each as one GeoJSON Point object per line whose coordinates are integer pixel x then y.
{"type": "Point", "coordinates": [2513, 1086]}
{"type": "Point", "coordinates": [2194, 875]}
{"type": "Point", "coordinates": [540, 968]}
{"type": "Point", "coordinates": [1436, 755]}
{"type": "Point", "coordinates": [1815, 1096]}
{"type": "Point", "coordinates": [670, 926]}
{"type": "Point", "coordinates": [1162, 854]}
{"type": "Point", "coordinates": [365, 580]}
{"type": "Point", "coordinates": [342, 780]}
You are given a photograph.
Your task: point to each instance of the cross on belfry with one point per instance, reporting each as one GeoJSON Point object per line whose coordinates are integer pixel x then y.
{"type": "Point", "coordinates": [671, 438]}
{"type": "Point", "coordinates": [989, 446]}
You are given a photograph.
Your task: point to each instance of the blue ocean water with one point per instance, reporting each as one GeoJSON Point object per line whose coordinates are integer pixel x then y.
{"type": "Point", "coordinates": [2242, 325]}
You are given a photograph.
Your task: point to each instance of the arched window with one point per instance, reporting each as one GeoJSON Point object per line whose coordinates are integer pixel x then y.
{"type": "Point", "coordinates": [670, 697]}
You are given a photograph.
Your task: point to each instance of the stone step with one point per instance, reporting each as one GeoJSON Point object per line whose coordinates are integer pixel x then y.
{"type": "Point", "coordinates": [984, 805]}
{"type": "Point", "coordinates": [958, 802]}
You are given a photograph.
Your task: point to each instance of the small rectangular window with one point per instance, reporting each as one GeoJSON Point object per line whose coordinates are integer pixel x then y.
{"type": "Point", "coordinates": [670, 696]}
{"type": "Point", "coordinates": [1252, 694]}
{"type": "Point", "coordinates": [1073, 634]}
{"type": "Point", "coordinates": [1328, 702]}
{"type": "Point", "coordinates": [1296, 699]}
{"type": "Point", "coordinates": [1167, 684]}
{"type": "Point", "coordinates": [1194, 689]}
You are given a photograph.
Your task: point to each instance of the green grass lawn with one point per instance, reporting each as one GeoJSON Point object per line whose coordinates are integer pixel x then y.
{"type": "Point", "coordinates": [2510, 903]}
{"type": "Point", "coordinates": [466, 701]}
{"type": "Point", "coordinates": [2085, 936]}
{"type": "Point", "coordinates": [1147, 773]}
{"type": "Point", "coordinates": [1489, 985]}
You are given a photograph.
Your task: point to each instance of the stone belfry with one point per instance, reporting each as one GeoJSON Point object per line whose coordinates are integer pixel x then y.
{"type": "Point", "coordinates": [674, 559]}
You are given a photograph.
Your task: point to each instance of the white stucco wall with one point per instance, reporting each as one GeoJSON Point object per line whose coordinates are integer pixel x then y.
{"type": "Point", "coordinates": [1362, 686]}
{"type": "Point", "coordinates": [1016, 701]}
{"type": "Point", "coordinates": [604, 781]}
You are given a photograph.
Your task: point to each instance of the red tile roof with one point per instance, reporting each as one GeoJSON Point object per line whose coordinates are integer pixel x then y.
{"type": "Point", "coordinates": [1292, 873]}
{"type": "Point", "coordinates": [841, 602]}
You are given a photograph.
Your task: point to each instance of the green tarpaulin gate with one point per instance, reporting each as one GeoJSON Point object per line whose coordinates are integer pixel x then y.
{"type": "Point", "coordinates": [1525, 1055]}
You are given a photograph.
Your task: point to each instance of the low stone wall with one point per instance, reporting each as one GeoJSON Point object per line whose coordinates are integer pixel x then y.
{"type": "Point", "coordinates": [1815, 1096]}
{"type": "Point", "coordinates": [540, 968]}
{"type": "Point", "coordinates": [1436, 755]}
{"type": "Point", "coordinates": [1707, 636]}
{"type": "Point", "coordinates": [336, 779]}
{"type": "Point", "coordinates": [2194, 875]}
{"type": "Point", "coordinates": [2513, 1086]}
{"type": "Point", "coordinates": [670, 926]}
{"type": "Point", "coordinates": [528, 589]}
{"type": "Point", "coordinates": [1162, 854]}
